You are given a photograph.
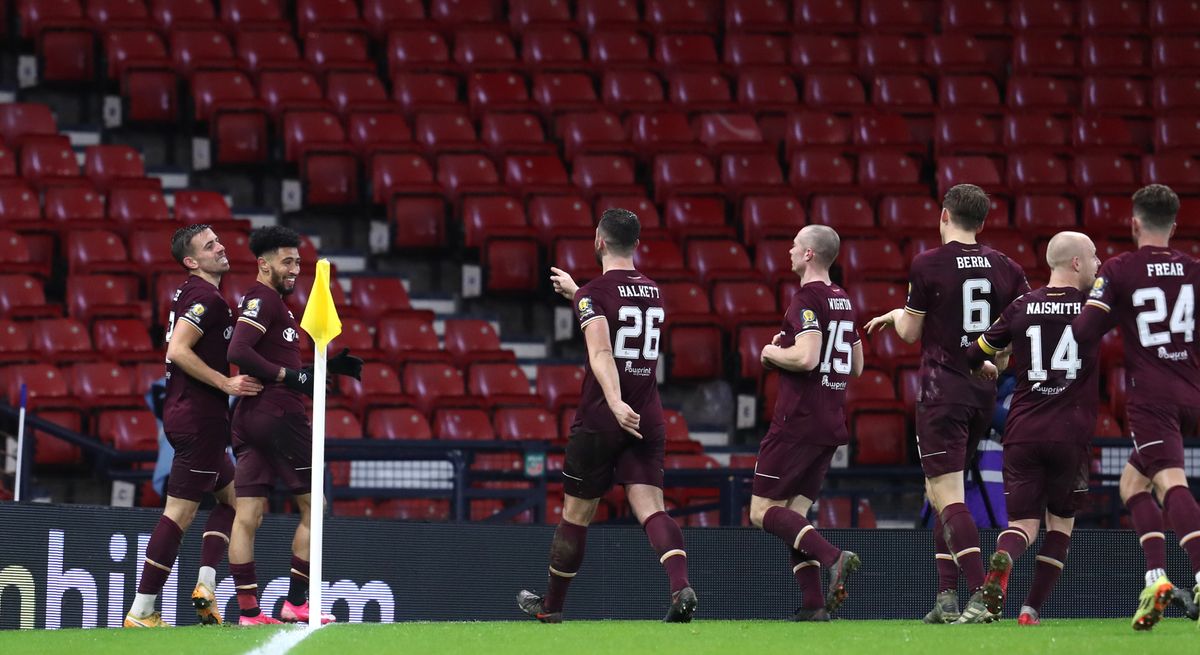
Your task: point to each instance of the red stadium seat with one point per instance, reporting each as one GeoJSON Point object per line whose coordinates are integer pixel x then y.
{"type": "Point", "coordinates": [619, 48]}
{"type": "Point", "coordinates": [500, 384]}
{"type": "Point", "coordinates": [817, 131]}
{"type": "Point", "coordinates": [1014, 244]}
{"type": "Point", "coordinates": [51, 450]}
{"type": "Point", "coordinates": [372, 132]}
{"type": "Point", "coordinates": [356, 91]}
{"type": "Point", "coordinates": [755, 49]}
{"type": "Point", "coordinates": [525, 424]}
{"type": "Point", "coordinates": [982, 171]}
{"type": "Point", "coordinates": [576, 256]}
{"type": "Point", "coordinates": [135, 50]}
{"type": "Point", "coordinates": [74, 208]}
{"type": "Point", "coordinates": [433, 384]}
{"type": "Point", "coordinates": [467, 174]}
{"type": "Point", "coordinates": [1032, 16]}
{"type": "Point", "coordinates": [379, 387]}
{"type": "Point", "coordinates": [1177, 170]}
{"type": "Point", "coordinates": [880, 438]}
{"type": "Point", "coordinates": [1124, 96]}
{"type": "Point", "coordinates": [876, 298]}
{"type": "Point", "coordinates": [686, 51]}
{"type": "Point", "coordinates": [398, 423]}
{"type": "Point", "coordinates": [483, 48]}
{"type": "Point", "coordinates": [957, 53]}
{"type": "Point", "coordinates": [1176, 133]}
{"type": "Point", "coordinates": [446, 131]}
{"type": "Point", "coordinates": [814, 171]}
{"type": "Point", "coordinates": [729, 132]}
{"type": "Point", "coordinates": [535, 173]}
{"type": "Point", "coordinates": [559, 384]}
{"type": "Point", "coordinates": [1107, 215]}
{"type": "Point", "coordinates": [1119, 17]}
{"type": "Point", "coordinates": [61, 340]}
{"type": "Point", "coordinates": [696, 216]}
{"type": "Point", "coordinates": [473, 341]}
{"type": "Point", "coordinates": [976, 92]}
{"type": "Point", "coordinates": [105, 384]}
{"type": "Point", "coordinates": [1045, 215]}
{"type": "Point", "coordinates": [491, 216]}
{"type": "Point", "coordinates": [196, 50]}
{"type": "Point", "coordinates": [889, 348]}
{"type": "Point", "coordinates": [329, 51]}
{"type": "Point", "coordinates": [823, 52]}
{"type": "Point", "coordinates": [452, 12]}
{"type": "Point", "coordinates": [672, 16]}
{"type": "Point", "coordinates": [254, 15]}
{"type": "Point", "coordinates": [1174, 16]}
{"type": "Point", "coordinates": [904, 93]}
{"type": "Point", "coordinates": [511, 265]}
{"type": "Point", "coordinates": [497, 91]}
{"type": "Point", "coordinates": [19, 206]}
{"type": "Point", "coordinates": [1039, 173]}
{"type": "Point", "coordinates": [750, 342]}
{"type": "Point", "coordinates": [410, 337]}
{"type": "Point", "coordinates": [46, 163]}
{"type": "Point", "coordinates": [694, 352]}
{"type": "Point", "coordinates": [700, 91]}
{"type": "Point", "coordinates": [374, 297]}
{"type": "Point", "coordinates": [22, 296]}
{"type": "Point", "coordinates": [314, 15]}
{"type": "Point", "coordinates": [115, 165]}
{"type": "Point", "coordinates": [890, 53]}
{"type": "Point", "coordinates": [417, 50]}
{"type": "Point", "coordinates": [1108, 172]}
{"type": "Point", "coordinates": [662, 260]}
{"type": "Point", "coordinates": [550, 49]}
{"type": "Point", "coordinates": [14, 343]}
{"type": "Point", "coordinates": [741, 303]}
{"type": "Point", "coordinates": [560, 216]}
{"type": "Point", "coordinates": [767, 90]}
{"type": "Point", "coordinates": [771, 216]}
{"type": "Point", "coordinates": [593, 14]}
{"type": "Point", "coordinates": [1042, 93]}
{"type": "Point", "coordinates": [417, 222]}
{"type": "Point", "coordinates": [1040, 131]}
{"type": "Point", "coordinates": [425, 92]}
{"type": "Point", "coordinates": [598, 174]}
{"type": "Point", "coordinates": [966, 134]}
{"type": "Point", "coordinates": [906, 214]}
{"type": "Point", "coordinates": [1175, 54]}
{"type": "Point", "coordinates": [872, 258]}
{"type": "Point", "coordinates": [598, 131]}
{"type": "Point", "coordinates": [47, 387]}
{"type": "Point", "coordinates": [529, 13]}
{"type": "Point", "coordinates": [261, 51]}
{"type": "Point", "coordinates": [848, 214]}
{"type": "Point", "coordinates": [632, 90]}
{"type": "Point", "coordinates": [713, 260]}
{"type": "Point", "coordinates": [463, 425]}
{"type": "Point", "coordinates": [108, 296]}
{"type": "Point", "coordinates": [1045, 55]}
{"type": "Point", "coordinates": [889, 172]}
{"type": "Point", "coordinates": [512, 132]}
{"type": "Point", "coordinates": [1114, 55]}
{"type": "Point", "coordinates": [834, 92]}
{"type": "Point", "coordinates": [134, 206]}
{"type": "Point", "coordinates": [124, 339]}
{"type": "Point", "coordinates": [815, 15]}
{"type": "Point", "coordinates": [563, 92]}
{"type": "Point", "coordinates": [97, 251]}
{"type": "Point", "coordinates": [130, 430]}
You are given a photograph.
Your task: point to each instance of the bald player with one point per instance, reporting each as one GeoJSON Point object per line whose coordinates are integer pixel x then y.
{"type": "Point", "coordinates": [955, 292]}
{"type": "Point", "coordinates": [1150, 294]}
{"type": "Point", "coordinates": [1047, 438]}
{"type": "Point", "coordinates": [817, 352]}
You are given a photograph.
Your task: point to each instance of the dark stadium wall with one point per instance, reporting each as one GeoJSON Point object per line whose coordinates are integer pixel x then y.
{"type": "Point", "coordinates": [72, 566]}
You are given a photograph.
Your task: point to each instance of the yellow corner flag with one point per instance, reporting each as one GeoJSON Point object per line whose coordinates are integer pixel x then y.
{"type": "Point", "coordinates": [320, 319]}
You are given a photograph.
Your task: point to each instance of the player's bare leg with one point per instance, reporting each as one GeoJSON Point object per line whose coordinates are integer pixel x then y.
{"type": "Point", "coordinates": [161, 553]}
{"type": "Point", "coordinates": [566, 556]}
{"type": "Point", "coordinates": [1184, 512]}
{"type": "Point", "coordinates": [778, 518]}
{"type": "Point", "coordinates": [295, 606]}
{"type": "Point", "coordinates": [213, 542]}
{"type": "Point", "coordinates": [241, 560]}
{"type": "Point", "coordinates": [666, 538]}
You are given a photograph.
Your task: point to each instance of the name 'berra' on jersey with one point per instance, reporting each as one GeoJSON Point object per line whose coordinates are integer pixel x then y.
{"type": "Point", "coordinates": [190, 402]}
{"type": "Point", "coordinates": [960, 289]}
{"type": "Point", "coordinates": [1151, 294]}
{"type": "Point", "coordinates": [811, 405]}
{"type": "Point", "coordinates": [632, 305]}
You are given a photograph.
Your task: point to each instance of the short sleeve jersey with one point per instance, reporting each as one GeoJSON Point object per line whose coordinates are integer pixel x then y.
{"type": "Point", "coordinates": [810, 406]}
{"type": "Point", "coordinates": [632, 305]}
{"type": "Point", "coordinates": [1151, 294]}
{"type": "Point", "coordinates": [960, 289]}
{"type": "Point", "coordinates": [1058, 384]}
{"type": "Point", "coordinates": [191, 404]}
{"type": "Point", "coordinates": [263, 309]}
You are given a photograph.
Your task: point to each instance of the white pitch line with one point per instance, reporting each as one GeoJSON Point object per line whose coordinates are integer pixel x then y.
{"type": "Point", "coordinates": [284, 641]}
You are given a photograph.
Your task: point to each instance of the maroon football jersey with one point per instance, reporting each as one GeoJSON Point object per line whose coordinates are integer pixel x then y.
{"type": "Point", "coordinates": [960, 289]}
{"type": "Point", "coordinates": [1058, 386]}
{"type": "Point", "coordinates": [1150, 293]}
{"type": "Point", "coordinates": [633, 307]}
{"type": "Point", "coordinates": [811, 405]}
{"type": "Point", "coordinates": [276, 338]}
{"type": "Point", "coordinates": [191, 403]}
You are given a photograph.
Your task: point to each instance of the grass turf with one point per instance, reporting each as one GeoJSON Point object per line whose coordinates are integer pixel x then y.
{"type": "Point", "coordinates": [632, 638]}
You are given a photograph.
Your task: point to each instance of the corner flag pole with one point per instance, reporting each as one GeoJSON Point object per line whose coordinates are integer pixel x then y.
{"type": "Point", "coordinates": [321, 322]}
{"type": "Point", "coordinates": [20, 445]}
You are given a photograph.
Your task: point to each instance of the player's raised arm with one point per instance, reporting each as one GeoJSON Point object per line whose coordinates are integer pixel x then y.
{"type": "Point", "coordinates": [604, 367]}
{"type": "Point", "coordinates": [180, 352]}
{"type": "Point", "coordinates": [564, 285]}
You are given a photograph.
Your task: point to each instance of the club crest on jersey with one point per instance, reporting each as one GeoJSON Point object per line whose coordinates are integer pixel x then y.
{"type": "Point", "coordinates": [808, 318]}
{"type": "Point", "coordinates": [1098, 288]}
{"type": "Point", "coordinates": [290, 335]}
{"type": "Point", "coordinates": [252, 307]}
{"type": "Point", "coordinates": [195, 312]}
{"type": "Point", "coordinates": [585, 308]}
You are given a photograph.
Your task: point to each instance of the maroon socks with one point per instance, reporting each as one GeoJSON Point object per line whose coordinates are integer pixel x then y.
{"type": "Point", "coordinates": [808, 576]}
{"type": "Point", "coordinates": [1181, 507]}
{"type": "Point", "coordinates": [1050, 560]}
{"type": "Point", "coordinates": [216, 535]}
{"type": "Point", "coordinates": [1012, 541]}
{"type": "Point", "coordinates": [946, 568]}
{"type": "Point", "coordinates": [1147, 521]}
{"type": "Point", "coordinates": [160, 556]}
{"type": "Point", "coordinates": [963, 538]}
{"type": "Point", "coordinates": [245, 583]}
{"type": "Point", "coordinates": [667, 540]}
{"type": "Point", "coordinates": [566, 555]}
{"type": "Point", "coordinates": [298, 586]}
{"type": "Point", "coordinates": [799, 534]}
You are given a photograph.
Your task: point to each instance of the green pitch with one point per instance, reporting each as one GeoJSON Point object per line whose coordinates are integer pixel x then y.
{"type": "Point", "coordinates": [632, 638]}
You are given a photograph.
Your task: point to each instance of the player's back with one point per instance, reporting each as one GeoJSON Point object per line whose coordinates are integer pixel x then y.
{"type": "Point", "coordinates": [1058, 384]}
{"type": "Point", "coordinates": [1151, 294]}
{"type": "Point", "coordinates": [188, 400]}
{"type": "Point", "coordinates": [959, 289]}
{"type": "Point", "coordinates": [632, 305]}
{"type": "Point", "coordinates": [811, 404]}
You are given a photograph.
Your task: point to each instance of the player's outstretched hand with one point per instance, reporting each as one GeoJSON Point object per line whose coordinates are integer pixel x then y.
{"type": "Point", "coordinates": [564, 284]}
{"type": "Point", "coordinates": [628, 419]}
{"type": "Point", "coordinates": [346, 364]}
{"type": "Point", "coordinates": [242, 385]}
{"type": "Point", "coordinates": [880, 322]}
{"type": "Point", "coordinates": [987, 372]}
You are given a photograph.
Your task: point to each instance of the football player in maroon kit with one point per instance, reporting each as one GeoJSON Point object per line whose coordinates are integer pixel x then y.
{"type": "Point", "coordinates": [817, 352]}
{"type": "Point", "coordinates": [619, 435]}
{"type": "Point", "coordinates": [955, 291]}
{"type": "Point", "coordinates": [1150, 294]}
{"type": "Point", "coordinates": [196, 422]}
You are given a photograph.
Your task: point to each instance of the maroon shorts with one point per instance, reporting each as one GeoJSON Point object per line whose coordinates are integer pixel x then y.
{"type": "Point", "coordinates": [1157, 432]}
{"type": "Point", "coordinates": [947, 436]}
{"type": "Point", "coordinates": [596, 460]}
{"type": "Point", "coordinates": [271, 443]}
{"type": "Point", "coordinates": [200, 465]}
{"type": "Point", "coordinates": [786, 469]}
{"type": "Point", "coordinates": [1041, 476]}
